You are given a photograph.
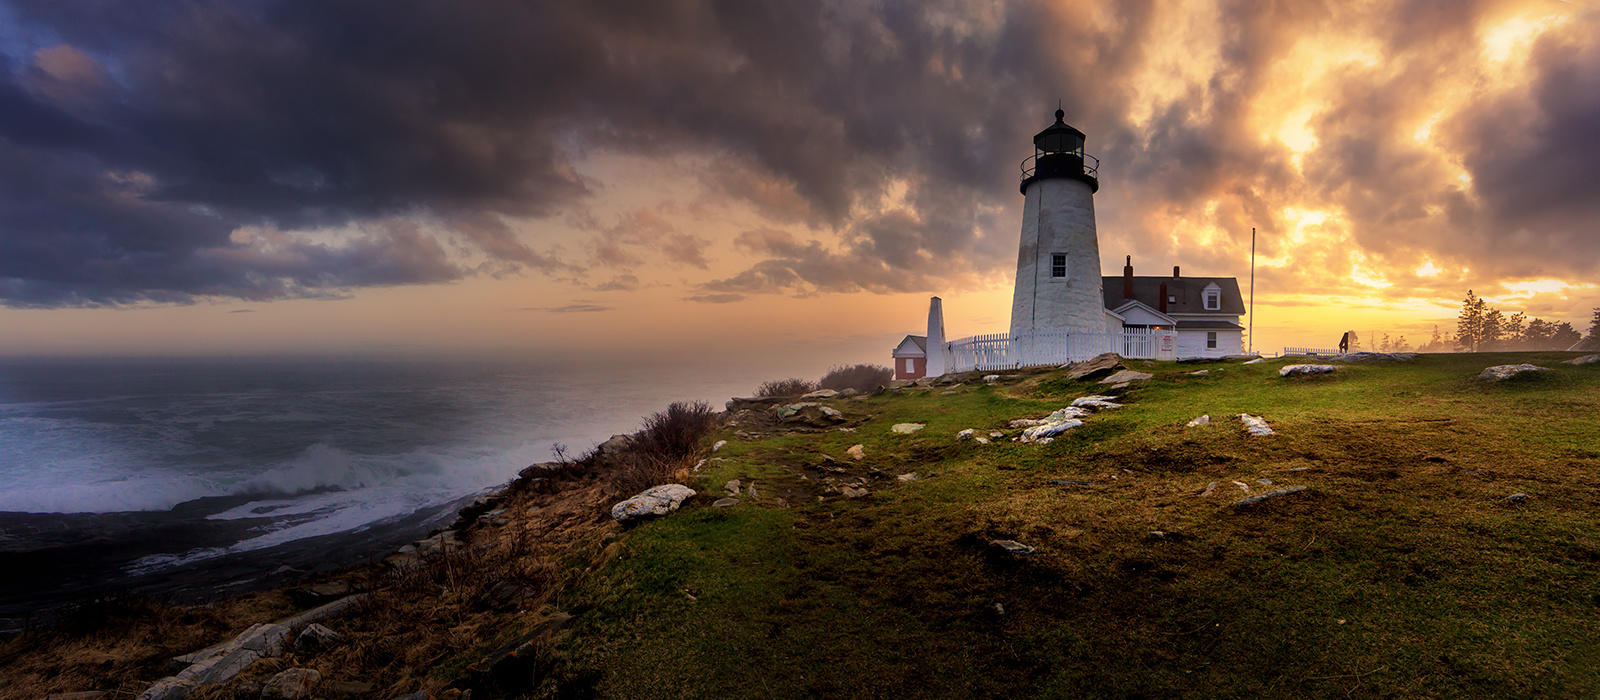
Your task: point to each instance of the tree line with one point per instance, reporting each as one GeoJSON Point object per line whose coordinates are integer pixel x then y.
{"type": "Point", "coordinates": [1482, 327]}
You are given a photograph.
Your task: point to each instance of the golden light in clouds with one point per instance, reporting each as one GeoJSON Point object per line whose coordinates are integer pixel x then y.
{"type": "Point", "coordinates": [1209, 119]}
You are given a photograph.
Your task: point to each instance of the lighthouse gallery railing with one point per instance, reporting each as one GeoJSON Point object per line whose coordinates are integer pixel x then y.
{"type": "Point", "coordinates": [992, 351]}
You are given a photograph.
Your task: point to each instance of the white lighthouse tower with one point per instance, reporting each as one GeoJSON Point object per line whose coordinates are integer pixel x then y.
{"type": "Point", "coordinates": [1058, 261]}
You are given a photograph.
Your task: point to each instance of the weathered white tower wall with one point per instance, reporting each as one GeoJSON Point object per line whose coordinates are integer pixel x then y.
{"type": "Point", "coordinates": [1058, 218]}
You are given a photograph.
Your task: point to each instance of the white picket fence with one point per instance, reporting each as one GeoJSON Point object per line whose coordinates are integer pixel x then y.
{"type": "Point", "coordinates": [1311, 351]}
{"type": "Point", "coordinates": [993, 351]}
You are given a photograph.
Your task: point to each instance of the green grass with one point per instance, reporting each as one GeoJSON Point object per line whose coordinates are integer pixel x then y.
{"type": "Point", "coordinates": [1404, 570]}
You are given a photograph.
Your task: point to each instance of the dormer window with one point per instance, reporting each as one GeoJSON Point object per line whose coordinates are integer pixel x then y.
{"type": "Point", "coordinates": [1213, 298]}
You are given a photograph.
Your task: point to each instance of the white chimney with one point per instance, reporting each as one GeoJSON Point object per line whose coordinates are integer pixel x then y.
{"type": "Point", "coordinates": [935, 357]}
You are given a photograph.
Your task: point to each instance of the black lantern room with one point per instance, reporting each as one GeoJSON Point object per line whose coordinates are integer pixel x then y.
{"type": "Point", "coordinates": [1058, 152]}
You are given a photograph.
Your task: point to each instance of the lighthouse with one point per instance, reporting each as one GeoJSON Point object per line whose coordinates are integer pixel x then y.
{"type": "Point", "coordinates": [1058, 260]}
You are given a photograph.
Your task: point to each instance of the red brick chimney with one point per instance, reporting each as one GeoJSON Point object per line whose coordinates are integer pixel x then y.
{"type": "Point", "coordinates": [1127, 279]}
{"type": "Point", "coordinates": [1162, 307]}
{"type": "Point", "coordinates": [1175, 272]}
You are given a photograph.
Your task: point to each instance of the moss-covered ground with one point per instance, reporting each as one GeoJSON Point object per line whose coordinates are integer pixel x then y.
{"type": "Point", "coordinates": [1405, 568]}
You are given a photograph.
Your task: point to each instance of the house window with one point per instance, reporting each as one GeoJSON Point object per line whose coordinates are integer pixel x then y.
{"type": "Point", "coordinates": [1211, 340]}
{"type": "Point", "coordinates": [1213, 299]}
{"type": "Point", "coordinates": [911, 365]}
{"type": "Point", "coordinates": [1172, 298]}
{"type": "Point", "coordinates": [1058, 265]}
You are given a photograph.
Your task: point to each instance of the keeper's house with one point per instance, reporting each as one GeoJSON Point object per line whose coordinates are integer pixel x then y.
{"type": "Point", "coordinates": [1204, 311]}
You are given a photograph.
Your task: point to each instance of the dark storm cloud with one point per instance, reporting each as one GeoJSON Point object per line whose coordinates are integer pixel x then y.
{"type": "Point", "coordinates": [159, 152]}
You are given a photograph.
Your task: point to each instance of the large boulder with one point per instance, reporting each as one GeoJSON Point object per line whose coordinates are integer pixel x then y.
{"type": "Point", "coordinates": [906, 428]}
{"type": "Point", "coordinates": [1126, 375]}
{"type": "Point", "coordinates": [1504, 372]}
{"type": "Point", "coordinates": [1585, 360]}
{"type": "Point", "coordinates": [1304, 370]}
{"type": "Point", "coordinates": [1096, 367]}
{"type": "Point", "coordinates": [652, 502]}
{"type": "Point", "coordinates": [813, 414]}
{"type": "Point", "coordinates": [820, 394]}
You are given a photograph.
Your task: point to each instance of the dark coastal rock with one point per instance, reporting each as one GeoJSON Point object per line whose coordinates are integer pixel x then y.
{"type": "Point", "coordinates": [318, 593]}
{"type": "Point", "coordinates": [292, 684]}
{"type": "Point", "coordinates": [315, 638]}
{"type": "Point", "coordinates": [812, 414]}
{"type": "Point", "coordinates": [1096, 367]}
{"type": "Point", "coordinates": [512, 668]}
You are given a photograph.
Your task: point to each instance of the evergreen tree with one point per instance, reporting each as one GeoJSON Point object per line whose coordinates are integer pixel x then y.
{"type": "Point", "coordinates": [1563, 336]}
{"type": "Point", "coordinates": [1436, 343]}
{"type": "Point", "coordinates": [1594, 327]}
{"type": "Point", "coordinates": [1401, 345]}
{"type": "Point", "coordinates": [1469, 325]}
{"type": "Point", "coordinates": [1492, 328]}
{"type": "Point", "coordinates": [1511, 330]}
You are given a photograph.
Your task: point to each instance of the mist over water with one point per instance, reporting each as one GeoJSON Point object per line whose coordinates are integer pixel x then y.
{"type": "Point", "coordinates": [317, 446]}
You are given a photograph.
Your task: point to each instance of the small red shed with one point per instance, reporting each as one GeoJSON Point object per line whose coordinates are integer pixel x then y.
{"type": "Point", "coordinates": [911, 357]}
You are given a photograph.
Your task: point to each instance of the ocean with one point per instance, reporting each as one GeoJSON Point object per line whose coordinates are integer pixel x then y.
{"type": "Point", "coordinates": [241, 459]}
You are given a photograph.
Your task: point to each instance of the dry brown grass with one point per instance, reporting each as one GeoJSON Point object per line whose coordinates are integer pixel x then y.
{"type": "Point", "coordinates": [862, 377]}
{"type": "Point", "coordinates": [786, 387]}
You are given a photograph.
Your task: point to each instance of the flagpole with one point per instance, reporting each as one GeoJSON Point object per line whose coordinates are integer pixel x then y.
{"type": "Point", "coordinates": [1252, 347]}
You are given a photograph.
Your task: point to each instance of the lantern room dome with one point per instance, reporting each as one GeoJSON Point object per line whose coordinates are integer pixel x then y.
{"type": "Point", "coordinates": [1059, 137]}
{"type": "Point", "coordinates": [1058, 152]}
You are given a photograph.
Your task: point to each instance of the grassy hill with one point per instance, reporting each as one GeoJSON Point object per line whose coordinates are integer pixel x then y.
{"type": "Point", "coordinates": [1406, 567]}
{"type": "Point", "coordinates": [1447, 543]}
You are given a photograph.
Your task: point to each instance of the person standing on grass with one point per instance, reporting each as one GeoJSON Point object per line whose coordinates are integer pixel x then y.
{"type": "Point", "coordinates": [1344, 343]}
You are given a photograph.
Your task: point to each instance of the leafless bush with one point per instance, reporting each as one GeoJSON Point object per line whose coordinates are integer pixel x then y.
{"type": "Point", "coordinates": [785, 387]}
{"type": "Point", "coordinates": [862, 377]}
{"type": "Point", "coordinates": [663, 447]}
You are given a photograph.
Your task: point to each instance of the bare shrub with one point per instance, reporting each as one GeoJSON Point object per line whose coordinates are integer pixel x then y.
{"type": "Point", "coordinates": [862, 377]}
{"type": "Point", "coordinates": [785, 387]}
{"type": "Point", "coordinates": [668, 440]}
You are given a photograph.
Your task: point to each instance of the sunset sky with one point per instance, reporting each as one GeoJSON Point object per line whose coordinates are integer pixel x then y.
{"type": "Point", "coordinates": [784, 180]}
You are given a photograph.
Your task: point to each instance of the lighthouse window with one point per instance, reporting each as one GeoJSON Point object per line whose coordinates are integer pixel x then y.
{"type": "Point", "coordinates": [1058, 265]}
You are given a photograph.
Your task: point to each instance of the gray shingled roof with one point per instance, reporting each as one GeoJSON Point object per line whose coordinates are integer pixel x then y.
{"type": "Point", "coordinates": [1187, 289]}
{"type": "Point", "coordinates": [921, 341]}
